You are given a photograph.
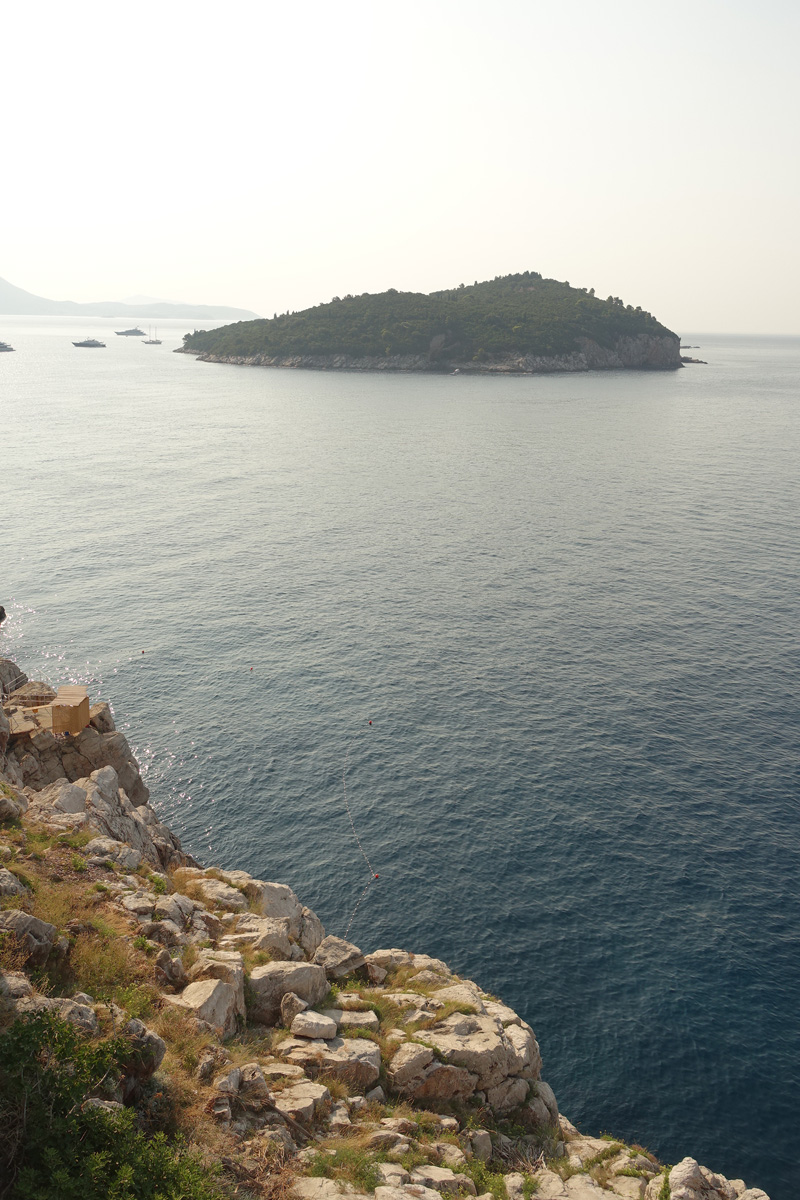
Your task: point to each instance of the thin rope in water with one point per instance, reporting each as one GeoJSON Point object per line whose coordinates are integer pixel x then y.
{"type": "Point", "coordinates": [372, 872]}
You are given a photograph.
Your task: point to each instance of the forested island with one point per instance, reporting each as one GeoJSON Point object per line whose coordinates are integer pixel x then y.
{"type": "Point", "coordinates": [512, 324]}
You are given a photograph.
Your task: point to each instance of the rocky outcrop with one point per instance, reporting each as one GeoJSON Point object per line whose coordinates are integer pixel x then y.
{"type": "Point", "coordinates": [325, 1019]}
{"type": "Point", "coordinates": [643, 352]}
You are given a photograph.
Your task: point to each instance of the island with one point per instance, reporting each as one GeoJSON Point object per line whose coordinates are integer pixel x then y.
{"type": "Point", "coordinates": [514, 324]}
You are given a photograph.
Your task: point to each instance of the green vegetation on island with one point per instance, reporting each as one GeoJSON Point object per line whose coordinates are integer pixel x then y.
{"type": "Point", "coordinates": [511, 315]}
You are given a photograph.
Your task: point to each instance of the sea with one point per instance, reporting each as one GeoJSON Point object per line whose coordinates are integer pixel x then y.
{"type": "Point", "coordinates": [502, 670]}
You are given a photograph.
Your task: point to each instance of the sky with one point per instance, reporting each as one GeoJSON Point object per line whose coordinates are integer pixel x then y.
{"type": "Point", "coordinates": [274, 155]}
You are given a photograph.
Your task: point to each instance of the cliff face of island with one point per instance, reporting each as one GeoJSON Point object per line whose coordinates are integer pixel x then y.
{"type": "Point", "coordinates": [292, 1063]}
{"type": "Point", "coordinates": [517, 324]}
{"type": "Point", "coordinates": [643, 352]}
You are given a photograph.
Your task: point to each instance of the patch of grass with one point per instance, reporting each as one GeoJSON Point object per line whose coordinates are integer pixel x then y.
{"type": "Point", "coordinates": [337, 1087]}
{"type": "Point", "coordinates": [485, 1180]}
{"type": "Point", "coordinates": [157, 884]}
{"type": "Point", "coordinates": [138, 999]}
{"type": "Point", "coordinates": [632, 1173]}
{"type": "Point", "coordinates": [665, 1191]}
{"type": "Point", "coordinates": [596, 1159]}
{"type": "Point", "coordinates": [77, 863]}
{"type": "Point", "coordinates": [26, 880]}
{"type": "Point", "coordinates": [13, 955]}
{"type": "Point", "coordinates": [142, 943]}
{"type": "Point", "coordinates": [76, 841]}
{"type": "Point", "coordinates": [350, 1163]}
{"type": "Point", "coordinates": [101, 887]}
{"type": "Point", "coordinates": [105, 966]}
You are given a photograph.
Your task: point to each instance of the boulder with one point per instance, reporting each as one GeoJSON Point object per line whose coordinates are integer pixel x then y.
{"type": "Point", "coordinates": [291, 1005]}
{"type": "Point", "coordinates": [272, 981]}
{"type": "Point", "coordinates": [443, 1082]}
{"type": "Point", "coordinates": [253, 1089]}
{"type": "Point", "coordinates": [108, 848]}
{"type": "Point", "coordinates": [507, 1095]}
{"type": "Point", "coordinates": [408, 1065]}
{"type": "Point", "coordinates": [310, 1024]}
{"type": "Point", "coordinates": [79, 1015]}
{"type": "Point", "coordinates": [226, 965]}
{"type": "Point", "coordinates": [214, 891]}
{"type": "Point", "coordinates": [476, 1043]}
{"type": "Point", "coordinates": [100, 718]}
{"type": "Point", "coordinates": [302, 1101]}
{"type": "Point", "coordinates": [312, 931]}
{"type": "Point", "coordinates": [356, 1061]}
{"type": "Point", "coordinates": [338, 957]}
{"type": "Point", "coordinates": [263, 933]}
{"type": "Point", "coordinates": [443, 1180]}
{"type": "Point", "coordinates": [212, 1001]}
{"type": "Point", "coordinates": [37, 937]}
{"type": "Point", "coordinates": [147, 1054]}
{"type": "Point", "coordinates": [10, 885]}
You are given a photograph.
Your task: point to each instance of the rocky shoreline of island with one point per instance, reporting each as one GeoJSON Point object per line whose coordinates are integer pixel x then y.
{"type": "Point", "coordinates": [295, 1063]}
{"type": "Point", "coordinates": [644, 352]}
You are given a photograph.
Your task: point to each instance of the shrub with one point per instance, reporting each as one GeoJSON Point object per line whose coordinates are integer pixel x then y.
{"type": "Point", "coordinates": [53, 1146]}
{"type": "Point", "coordinates": [77, 863]}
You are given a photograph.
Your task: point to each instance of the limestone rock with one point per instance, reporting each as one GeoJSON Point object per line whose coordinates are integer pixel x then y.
{"type": "Point", "coordinates": [302, 1101]}
{"type": "Point", "coordinates": [10, 885]}
{"type": "Point", "coordinates": [409, 1064]}
{"type": "Point", "coordinates": [291, 1005]}
{"type": "Point", "coordinates": [212, 1001]}
{"type": "Point", "coordinates": [79, 1015]}
{"type": "Point", "coordinates": [263, 933]}
{"type": "Point", "coordinates": [356, 1061]}
{"type": "Point", "coordinates": [271, 982]}
{"type": "Point", "coordinates": [310, 1024]}
{"type": "Point", "coordinates": [214, 891]}
{"type": "Point", "coordinates": [226, 965]}
{"type": "Point", "coordinates": [148, 1051]}
{"type": "Point", "coordinates": [100, 718]}
{"type": "Point", "coordinates": [476, 1043]}
{"type": "Point", "coordinates": [481, 1144]}
{"type": "Point", "coordinates": [38, 937]}
{"type": "Point", "coordinates": [507, 1095]}
{"type": "Point", "coordinates": [108, 848]}
{"type": "Point", "coordinates": [338, 957]}
{"type": "Point", "coordinates": [312, 931]}
{"type": "Point", "coordinates": [443, 1180]}
{"type": "Point", "coordinates": [14, 985]}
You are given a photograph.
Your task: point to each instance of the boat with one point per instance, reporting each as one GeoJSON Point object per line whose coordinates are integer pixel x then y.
{"type": "Point", "coordinates": [129, 332]}
{"type": "Point", "coordinates": [152, 341]}
{"type": "Point", "coordinates": [90, 344]}
{"type": "Point", "coordinates": [4, 346]}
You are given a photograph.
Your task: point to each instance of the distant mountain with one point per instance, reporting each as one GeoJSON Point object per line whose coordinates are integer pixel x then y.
{"type": "Point", "coordinates": [16, 302]}
{"type": "Point", "coordinates": [514, 323]}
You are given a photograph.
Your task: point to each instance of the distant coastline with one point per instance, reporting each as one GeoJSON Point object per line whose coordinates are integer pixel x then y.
{"type": "Point", "coordinates": [16, 302]}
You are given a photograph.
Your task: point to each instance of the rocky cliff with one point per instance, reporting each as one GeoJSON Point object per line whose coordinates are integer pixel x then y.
{"type": "Point", "coordinates": [644, 352]}
{"type": "Point", "coordinates": [295, 1063]}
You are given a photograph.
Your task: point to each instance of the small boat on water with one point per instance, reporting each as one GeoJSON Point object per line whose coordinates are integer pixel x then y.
{"type": "Point", "coordinates": [90, 344]}
{"type": "Point", "coordinates": [152, 341]}
{"type": "Point", "coordinates": [4, 347]}
{"type": "Point", "coordinates": [129, 332]}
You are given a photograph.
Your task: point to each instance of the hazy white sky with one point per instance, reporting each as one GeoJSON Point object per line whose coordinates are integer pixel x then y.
{"type": "Point", "coordinates": [272, 155]}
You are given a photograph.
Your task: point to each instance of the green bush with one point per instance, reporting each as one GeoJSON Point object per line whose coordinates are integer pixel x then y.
{"type": "Point", "coordinates": [54, 1147]}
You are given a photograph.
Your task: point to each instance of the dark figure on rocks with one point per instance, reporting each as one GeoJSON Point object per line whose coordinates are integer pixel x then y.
{"type": "Point", "coordinates": [3, 614]}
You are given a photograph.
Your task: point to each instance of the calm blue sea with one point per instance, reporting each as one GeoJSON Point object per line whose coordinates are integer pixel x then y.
{"type": "Point", "coordinates": [568, 605]}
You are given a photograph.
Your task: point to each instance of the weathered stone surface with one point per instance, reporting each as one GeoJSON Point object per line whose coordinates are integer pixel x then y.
{"type": "Point", "coordinates": [229, 1083]}
{"type": "Point", "coordinates": [408, 1191]}
{"type": "Point", "coordinates": [264, 933]}
{"type": "Point", "coordinates": [214, 891]}
{"type": "Point", "coordinates": [148, 1052]}
{"type": "Point", "coordinates": [302, 1101]}
{"type": "Point", "coordinates": [443, 1082]}
{"type": "Point", "coordinates": [314, 1188]}
{"type": "Point", "coordinates": [212, 1001]}
{"type": "Point", "coordinates": [291, 1005]}
{"type": "Point", "coordinates": [10, 885]}
{"type": "Point", "coordinates": [14, 985]}
{"type": "Point", "coordinates": [102, 847]}
{"type": "Point", "coordinates": [443, 1180]}
{"type": "Point", "coordinates": [38, 937]}
{"type": "Point", "coordinates": [310, 1024]}
{"type": "Point", "coordinates": [271, 982]}
{"type": "Point", "coordinates": [168, 970]}
{"type": "Point", "coordinates": [79, 1015]}
{"type": "Point", "coordinates": [409, 1064]}
{"type": "Point", "coordinates": [100, 718]}
{"type": "Point", "coordinates": [312, 931]}
{"type": "Point", "coordinates": [338, 957]}
{"type": "Point", "coordinates": [356, 1061]}
{"type": "Point", "coordinates": [392, 1175]}
{"type": "Point", "coordinates": [507, 1095]}
{"type": "Point", "coordinates": [525, 1048]}
{"type": "Point", "coordinates": [226, 965]}
{"type": "Point", "coordinates": [481, 1144]}
{"type": "Point", "coordinates": [355, 1019]}
{"type": "Point", "coordinates": [476, 1043]}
